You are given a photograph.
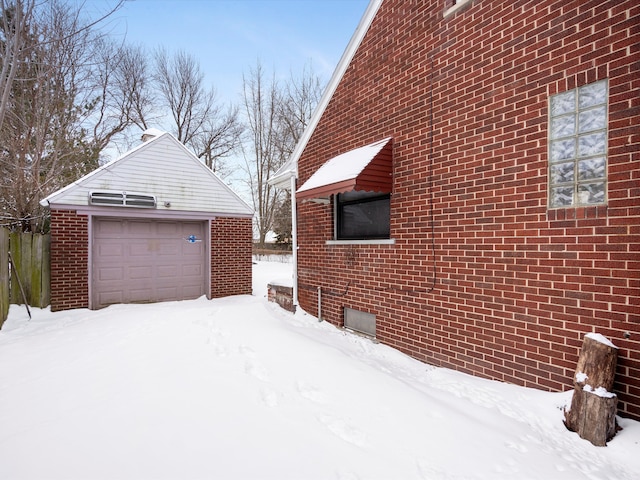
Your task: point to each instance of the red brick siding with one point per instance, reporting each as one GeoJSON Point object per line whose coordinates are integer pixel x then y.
{"type": "Point", "coordinates": [516, 285]}
{"type": "Point", "coordinates": [69, 260]}
{"type": "Point", "coordinates": [231, 242]}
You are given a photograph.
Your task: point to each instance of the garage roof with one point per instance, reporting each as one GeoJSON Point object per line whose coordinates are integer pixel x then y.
{"type": "Point", "coordinates": [162, 167]}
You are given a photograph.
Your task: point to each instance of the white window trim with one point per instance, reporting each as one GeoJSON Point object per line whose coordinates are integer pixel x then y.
{"type": "Point", "coordinates": [459, 5]}
{"type": "Point", "coordinates": [382, 241]}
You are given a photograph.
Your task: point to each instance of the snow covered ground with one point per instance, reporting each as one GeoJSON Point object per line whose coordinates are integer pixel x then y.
{"type": "Point", "coordinates": [237, 388]}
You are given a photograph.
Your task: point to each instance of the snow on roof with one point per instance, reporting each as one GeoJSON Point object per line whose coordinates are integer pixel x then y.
{"type": "Point", "coordinates": [150, 133]}
{"type": "Point", "coordinates": [346, 166]}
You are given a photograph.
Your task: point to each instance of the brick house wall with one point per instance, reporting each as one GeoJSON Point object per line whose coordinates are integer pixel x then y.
{"type": "Point", "coordinates": [231, 264]}
{"type": "Point", "coordinates": [483, 277]}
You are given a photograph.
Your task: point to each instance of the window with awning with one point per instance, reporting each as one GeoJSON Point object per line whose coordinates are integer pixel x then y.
{"type": "Point", "coordinates": [367, 169]}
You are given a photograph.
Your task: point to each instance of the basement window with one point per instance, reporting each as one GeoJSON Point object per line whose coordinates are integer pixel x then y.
{"type": "Point", "coordinates": [361, 322]}
{"type": "Point", "coordinates": [122, 199]}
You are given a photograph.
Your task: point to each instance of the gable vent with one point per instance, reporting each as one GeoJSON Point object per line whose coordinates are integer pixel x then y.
{"type": "Point", "coordinates": [122, 199]}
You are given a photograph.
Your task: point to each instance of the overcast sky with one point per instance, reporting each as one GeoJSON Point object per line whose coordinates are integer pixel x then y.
{"type": "Point", "coordinates": [229, 36]}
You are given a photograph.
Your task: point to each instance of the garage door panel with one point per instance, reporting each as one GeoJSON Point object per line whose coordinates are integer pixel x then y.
{"type": "Point", "coordinates": [147, 260]}
{"type": "Point", "coordinates": [191, 270]}
{"type": "Point", "coordinates": [111, 273]}
{"type": "Point", "coordinates": [191, 292]}
{"type": "Point", "coordinates": [109, 227]}
{"type": "Point", "coordinates": [167, 271]}
{"type": "Point", "coordinates": [112, 250]}
{"type": "Point", "coordinates": [170, 228]}
{"type": "Point", "coordinates": [142, 249]}
{"type": "Point", "coordinates": [169, 293]}
{"type": "Point", "coordinates": [141, 272]}
{"type": "Point", "coordinates": [168, 250]}
{"type": "Point", "coordinates": [140, 228]}
{"type": "Point", "coordinates": [191, 250]}
{"type": "Point", "coordinates": [140, 295]}
{"type": "Point", "coordinates": [109, 298]}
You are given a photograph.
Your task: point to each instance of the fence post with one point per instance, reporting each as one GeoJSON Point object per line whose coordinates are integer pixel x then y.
{"type": "Point", "coordinates": [39, 276]}
{"type": "Point", "coordinates": [45, 267]}
{"type": "Point", "coordinates": [4, 275]}
{"type": "Point", "coordinates": [35, 300]}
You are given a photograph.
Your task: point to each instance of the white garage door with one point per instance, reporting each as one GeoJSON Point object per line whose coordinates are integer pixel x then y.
{"type": "Point", "coordinates": [139, 261]}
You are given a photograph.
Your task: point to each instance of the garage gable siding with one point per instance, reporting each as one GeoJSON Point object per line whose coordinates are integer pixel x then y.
{"type": "Point", "coordinates": [162, 167]}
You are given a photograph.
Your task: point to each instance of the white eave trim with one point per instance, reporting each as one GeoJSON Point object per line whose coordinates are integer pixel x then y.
{"type": "Point", "coordinates": [292, 164]}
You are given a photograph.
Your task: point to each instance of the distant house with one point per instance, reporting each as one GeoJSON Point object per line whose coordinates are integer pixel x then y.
{"type": "Point", "coordinates": [468, 190]}
{"type": "Point", "coordinates": [156, 224]}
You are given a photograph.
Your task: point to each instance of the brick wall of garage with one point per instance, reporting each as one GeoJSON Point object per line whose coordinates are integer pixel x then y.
{"type": "Point", "coordinates": [69, 260]}
{"type": "Point", "coordinates": [231, 242]}
{"type": "Point", "coordinates": [231, 263]}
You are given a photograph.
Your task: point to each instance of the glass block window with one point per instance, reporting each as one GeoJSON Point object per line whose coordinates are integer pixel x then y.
{"type": "Point", "coordinates": [578, 146]}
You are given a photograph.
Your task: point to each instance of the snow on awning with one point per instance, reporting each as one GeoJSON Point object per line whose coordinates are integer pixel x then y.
{"type": "Point", "coordinates": [366, 168]}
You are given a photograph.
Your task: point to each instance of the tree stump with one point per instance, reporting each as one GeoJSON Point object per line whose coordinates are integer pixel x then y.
{"type": "Point", "coordinates": [593, 406]}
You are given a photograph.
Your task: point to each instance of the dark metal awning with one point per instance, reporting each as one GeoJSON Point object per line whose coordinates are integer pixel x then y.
{"type": "Point", "coordinates": [367, 168]}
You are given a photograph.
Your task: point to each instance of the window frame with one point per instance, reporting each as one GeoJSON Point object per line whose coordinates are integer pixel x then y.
{"type": "Point", "coordinates": [454, 6]}
{"type": "Point", "coordinates": [573, 141]}
{"type": "Point", "coordinates": [338, 212]}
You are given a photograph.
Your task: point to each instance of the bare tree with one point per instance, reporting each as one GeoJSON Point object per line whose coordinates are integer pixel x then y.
{"type": "Point", "coordinates": [16, 15]}
{"type": "Point", "coordinates": [299, 97]}
{"type": "Point", "coordinates": [134, 78]}
{"type": "Point", "coordinates": [44, 140]}
{"type": "Point", "coordinates": [119, 92]}
{"type": "Point", "coordinates": [262, 151]}
{"type": "Point", "coordinates": [276, 116]}
{"type": "Point", "coordinates": [219, 138]}
{"type": "Point", "coordinates": [198, 120]}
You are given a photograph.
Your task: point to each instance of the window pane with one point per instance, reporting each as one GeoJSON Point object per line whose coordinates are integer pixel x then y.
{"type": "Point", "coordinates": [592, 144]}
{"type": "Point", "coordinates": [578, 146]}
{"type": "Point", "coordinates": [562, 172]}
{"type": "Point", "coordinates": [563, 149]}
{"type": "Point", "coordinates": [563, 103]}
{"type": "Point", "coordinates": [368, 219]}
{"type": "Point", "coordinates": [561, 196]}
{"type": "Point", "coordinates": [591, 193]}
{"type": "Point", "coordinates": [563, 126]}
{"type": "Point", "coordinates": [593, 94]}
{"type": "Point", "coordinates": [591, 168]}
{"type": "Point", "coordinates": [592, 119]}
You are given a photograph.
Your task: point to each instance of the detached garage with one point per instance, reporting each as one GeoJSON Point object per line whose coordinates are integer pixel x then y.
{"type": "Point", "coordinates": [154, 225]}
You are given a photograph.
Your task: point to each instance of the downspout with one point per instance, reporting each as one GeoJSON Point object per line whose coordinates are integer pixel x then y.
{"type": "Point", "coordinates": [294, 240]}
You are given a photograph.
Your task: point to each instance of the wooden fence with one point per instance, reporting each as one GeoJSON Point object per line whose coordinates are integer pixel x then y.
{"type": "Point", "coordinates": [28, 275]}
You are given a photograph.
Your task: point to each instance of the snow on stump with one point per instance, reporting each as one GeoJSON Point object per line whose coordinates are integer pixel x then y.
{"type": "Point", "coordinates": [593, 406]}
